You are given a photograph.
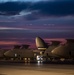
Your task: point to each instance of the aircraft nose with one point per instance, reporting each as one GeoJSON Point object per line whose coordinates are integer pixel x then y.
{"type": "Point", "coordinates": [53, 51]}
{"type": "Point", "coordinates": [6, 53]}
{"type": "Point", "coordinates": [61, 51]}
{"type": "Point", "coordinates": [57, 51]}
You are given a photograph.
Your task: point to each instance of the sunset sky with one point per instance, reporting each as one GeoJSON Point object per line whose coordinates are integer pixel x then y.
{"type": "Point", "coordinates": [22, 20]}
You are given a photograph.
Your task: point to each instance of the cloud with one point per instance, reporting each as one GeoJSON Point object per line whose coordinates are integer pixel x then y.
{"type": "Point", "coordinates": [10, 28]}
{"type": "Point", "coordinates": [56, 8]}
{"type": "Point", "coordinates": [8, 42]}
{"type": "Point", "coordinates": [45, 8]}
{"type": "Point", "coordinates": [13, 8]}
{"type": "Point", "coordinates": [23, 0]}
{"type": "Point", "coordinates": [33, 16]}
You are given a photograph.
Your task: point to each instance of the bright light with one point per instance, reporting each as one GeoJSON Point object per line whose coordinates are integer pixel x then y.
{"type": "Point", "coordinates": [62, 59]}
{"type": "Point", "coordinates": [38, 58]}
{"type": "Point", "coordinates": [15, 55]}
{"type": "Point", "coordinates": [42, 48]}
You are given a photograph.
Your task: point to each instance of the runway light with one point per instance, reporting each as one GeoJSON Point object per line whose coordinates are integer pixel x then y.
{"type": "Point", "coordinates": [62, 59]}
{"type": "Point", "coordinates": [15, 55]}
{"type": "Point", "coordinates": [38, 58]}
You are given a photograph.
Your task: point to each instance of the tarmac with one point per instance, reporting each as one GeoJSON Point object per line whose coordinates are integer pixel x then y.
{"type": "Point", "coordinates": [36, 69]}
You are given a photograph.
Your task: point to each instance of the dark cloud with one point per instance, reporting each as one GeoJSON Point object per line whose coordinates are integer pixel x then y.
{"type": "Point", "coordinates": [48, 8]}
{"type": "Point", "coordinates": [56, 8]}
{"type": "Point", "coordinates": [13, 8]}
{"type": "Point", "coordinates": [33, 16]}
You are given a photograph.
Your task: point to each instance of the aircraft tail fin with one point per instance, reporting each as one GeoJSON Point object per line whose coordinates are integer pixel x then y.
{"type": "Point", "coordinates": [40, 43]}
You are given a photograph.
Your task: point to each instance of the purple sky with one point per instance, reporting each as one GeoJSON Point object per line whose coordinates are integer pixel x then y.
{"type": "Point", "coordinates": [21, 22]}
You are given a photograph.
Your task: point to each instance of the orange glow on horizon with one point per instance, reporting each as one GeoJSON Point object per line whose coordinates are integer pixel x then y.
{"type": "Point", "coordinates": [8, 42]}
